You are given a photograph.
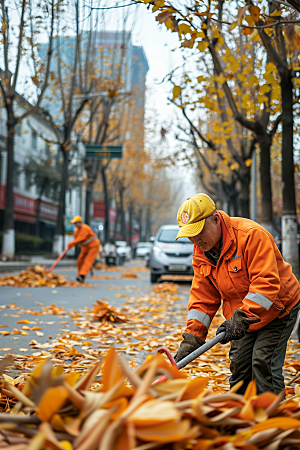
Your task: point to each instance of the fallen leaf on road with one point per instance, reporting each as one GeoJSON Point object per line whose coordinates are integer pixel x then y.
{"type": "Point", "coordinates": [103, 311]}
{"type": "Point", "coordinates": [129, 275]}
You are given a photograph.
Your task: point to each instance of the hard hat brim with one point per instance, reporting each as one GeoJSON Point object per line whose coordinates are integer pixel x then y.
{"type": "Point", "coordinates": [191, 229]}
{"type": "Point", "coordinates": [75, 220]}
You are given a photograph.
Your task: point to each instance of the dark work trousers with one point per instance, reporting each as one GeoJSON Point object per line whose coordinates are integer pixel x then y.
{"type": "Point", "coordinates": [260, 355]}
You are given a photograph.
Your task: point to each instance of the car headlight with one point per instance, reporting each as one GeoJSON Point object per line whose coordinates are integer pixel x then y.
{"type": "Point", "coordinates": [157, 251]}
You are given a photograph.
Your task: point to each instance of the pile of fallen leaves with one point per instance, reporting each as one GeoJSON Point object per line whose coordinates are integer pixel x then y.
{"type": "Point", "coordinates": [123, 410]}
{"type": "Point", "coordinates": [104, 312]}
{"type": "Point", "coordinates": [154, 319]}
{"type": "Point", "coordinates": [129, 275]}
{"type": "Point", "coordinates": [38, 276]}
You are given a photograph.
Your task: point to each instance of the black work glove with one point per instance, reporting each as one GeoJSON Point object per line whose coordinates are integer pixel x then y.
{"type": "Point", "coordinates": [236, 327]}
{"type": "Point", "coordinates": [190, 343]}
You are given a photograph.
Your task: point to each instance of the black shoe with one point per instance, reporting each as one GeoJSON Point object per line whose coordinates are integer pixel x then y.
{"type": "Point", "coordinates": [80, 278]}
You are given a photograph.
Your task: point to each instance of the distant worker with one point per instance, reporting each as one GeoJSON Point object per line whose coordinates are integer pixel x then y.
{"type": "Point", "coordinates": [86, 238]}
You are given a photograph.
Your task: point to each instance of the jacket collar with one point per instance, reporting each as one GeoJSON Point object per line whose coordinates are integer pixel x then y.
{"type": "Point", "coordinates": [229, 240]}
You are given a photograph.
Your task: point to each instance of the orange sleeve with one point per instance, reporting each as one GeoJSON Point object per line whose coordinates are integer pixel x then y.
{"type": "Point", "coordinates": [261, 263]}
{"type": "Point", "coordinates": [82, 235]}
{"type": "Point", "coordinates": [204, 302]}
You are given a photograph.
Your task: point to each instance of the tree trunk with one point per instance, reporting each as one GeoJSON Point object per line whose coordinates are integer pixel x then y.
{"type": "Point", "coordinates": [116, 223]}
{"type": "Point", "coordinates": [8, 243]}
{"type": "Point", "coordinates": [140, 221]}
{"type": "Point", "coordinates": [288, 193]}
{"type": "Point", "coordinates": [289, 214]}
{"type": "Point", "coordinates": [245, 193]}
{"type": "Point", "coordinates": [264, 142]}
{"type": "Point", "coordinates": [38, 206]}
{"type": "Point", "coordinates": [148, 223]}
{"type": "Point", "coordinates": [122, 213]}
{"type": "Point", "coordinates": [58, 242]}
{"type": "Point", "coordinates": [88, 201]}
{"type": "Point", "coordinates": [130, 225]}
{"type": "Point", "coordinates": [106, 200]}
{"type": "Point", "coordinates": [234, 205]}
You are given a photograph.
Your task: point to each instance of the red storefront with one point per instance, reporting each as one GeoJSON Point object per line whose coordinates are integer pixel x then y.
{"type": "Point", "coordinates": [25, 213]}
{"type": "Point", "coordinates": [99, 212]}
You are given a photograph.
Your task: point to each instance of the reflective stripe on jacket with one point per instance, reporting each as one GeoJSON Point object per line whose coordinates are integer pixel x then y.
{"type": "Point", "coordinates": [85, 237]}
{"type": "Point", "coordinates": [250, 275]}
{"type": "Point", "coordinates": [88, 241]}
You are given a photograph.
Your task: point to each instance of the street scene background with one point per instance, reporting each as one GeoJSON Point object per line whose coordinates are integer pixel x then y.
{"type": "Point", "coordinates": [111, 115]}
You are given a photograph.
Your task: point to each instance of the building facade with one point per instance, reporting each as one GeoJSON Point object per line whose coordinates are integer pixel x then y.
{"type": "Point", "coordinates": [34, 138]}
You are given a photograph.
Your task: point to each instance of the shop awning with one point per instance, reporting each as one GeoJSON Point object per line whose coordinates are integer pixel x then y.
{"type": "Point", "coordinates": [24, 218]}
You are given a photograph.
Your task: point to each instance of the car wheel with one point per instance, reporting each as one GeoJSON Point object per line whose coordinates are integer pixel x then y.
{"type": "Point", "coordinates": [154, 277]}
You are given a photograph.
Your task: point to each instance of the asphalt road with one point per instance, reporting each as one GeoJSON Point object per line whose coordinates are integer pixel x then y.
{"type": "Point", "coordinates": [78, 298]}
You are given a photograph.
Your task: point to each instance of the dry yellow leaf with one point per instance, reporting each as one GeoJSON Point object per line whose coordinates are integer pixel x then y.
{"type": "Point", "coordinates": [52, 401]}
{"type": "Point", "coordinates": [153, 413]}
{"type": "Point", "coordinates": [202, 45]}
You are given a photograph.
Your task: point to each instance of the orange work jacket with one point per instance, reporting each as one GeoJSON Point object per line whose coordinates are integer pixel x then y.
{"type": "Point", "coordinates": [250, 275]}
{"type": "Point", "coordinates": [85, 237]}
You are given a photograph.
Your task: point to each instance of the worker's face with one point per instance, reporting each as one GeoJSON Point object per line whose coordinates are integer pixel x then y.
{"type": "Point", "coordinates": [78, 225]}
{"type": "Point", "coordinates": [210, 236]}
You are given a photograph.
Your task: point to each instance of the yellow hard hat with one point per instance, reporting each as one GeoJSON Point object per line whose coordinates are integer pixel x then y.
{"type": "Point", "coordinates": [76, 219]}
{"type": "Point", "coordinates": [192, 214]}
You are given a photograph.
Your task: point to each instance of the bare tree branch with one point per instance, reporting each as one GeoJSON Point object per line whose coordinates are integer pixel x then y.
{"type": "Point", "coordinates": [18, 59]}
{"type": "Point", "coordinates": [46, 78]}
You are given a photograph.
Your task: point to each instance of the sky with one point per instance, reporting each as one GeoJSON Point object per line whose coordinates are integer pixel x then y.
{"type": "Point", "coordinates": [157, 42]}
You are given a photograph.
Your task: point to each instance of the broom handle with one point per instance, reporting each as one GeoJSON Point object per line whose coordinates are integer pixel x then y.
{"type": "Point", "coordinates": [189, 358]}
{"type": "Point", "coordinates": [200, 350]}
{"type": "Point", "coordinates": [58, 259]}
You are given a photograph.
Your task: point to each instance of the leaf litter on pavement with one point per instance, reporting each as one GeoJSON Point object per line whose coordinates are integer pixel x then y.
{"type": "Point", "coordinates": [38, 276]}
{"type": "Point", "coordinates": [76, 392]}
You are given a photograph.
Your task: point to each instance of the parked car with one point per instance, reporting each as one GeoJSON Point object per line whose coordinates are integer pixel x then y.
{"type": "Point", "coordinates": [169, 256]}
{"type": "Point", "coordinates": [123, 251]}
{"type": "Point", "coordinates": [143, 249]}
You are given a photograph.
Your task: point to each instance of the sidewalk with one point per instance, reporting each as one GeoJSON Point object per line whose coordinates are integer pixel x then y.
{"type": "Point", "coordinates": [11, 266]}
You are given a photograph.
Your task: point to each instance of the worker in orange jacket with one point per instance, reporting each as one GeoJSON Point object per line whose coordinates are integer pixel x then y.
{"type": "Point", "coordinates": [86, 238]}
{"type": "Point", "coordinates": [236, 262]}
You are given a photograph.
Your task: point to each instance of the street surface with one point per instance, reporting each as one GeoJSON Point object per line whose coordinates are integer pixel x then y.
{"type": "Point", "coordinates": [61, 323]}
{"type": "Point", "coordinates": [35, 321]}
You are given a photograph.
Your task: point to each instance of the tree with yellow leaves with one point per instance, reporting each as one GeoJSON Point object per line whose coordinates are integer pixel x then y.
{"type": "Point", "coordinates": [282, 45]}
{"type": "Point", "coordinates": [247, 99]}
{"type": "Point", "coordinates": [214, 28]}
{"type": "Point", "coordinates": [220, 147]}
{"type": "Point", "coordinates": [140, 180]}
